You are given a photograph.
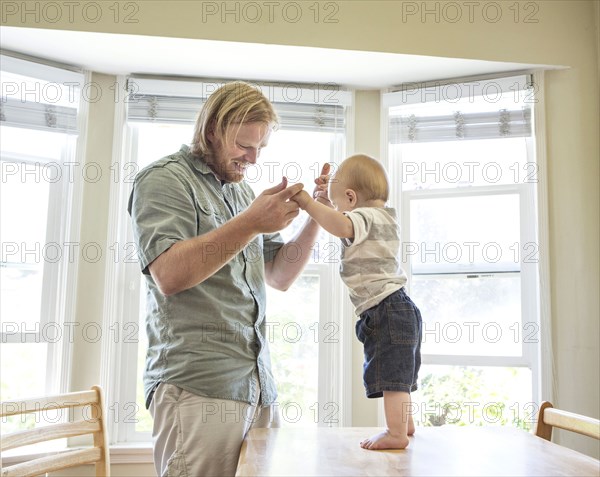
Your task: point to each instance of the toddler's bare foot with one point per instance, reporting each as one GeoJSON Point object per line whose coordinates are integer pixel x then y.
{"type": "Point", "coordinates": [411, 426]}
{"type": "Point", "coordinates": [385, 440]}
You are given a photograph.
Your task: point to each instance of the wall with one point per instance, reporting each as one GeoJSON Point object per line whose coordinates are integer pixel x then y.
{"type": "Point", "coordinates": [367, 111]}
{"type": "Point", "coordinates": [94, 226]}
{"type": "Point", "coordinates": [543, 32]}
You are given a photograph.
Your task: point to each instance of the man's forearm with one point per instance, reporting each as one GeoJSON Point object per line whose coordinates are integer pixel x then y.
{"type": "Point", "coordinates": [190, 262]}
{"type": "Point", "coordinates": [292, 257]}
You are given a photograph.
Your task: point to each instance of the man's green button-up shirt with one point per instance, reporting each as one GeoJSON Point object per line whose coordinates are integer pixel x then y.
{"type": "Point", "coordinates": [209, 339]}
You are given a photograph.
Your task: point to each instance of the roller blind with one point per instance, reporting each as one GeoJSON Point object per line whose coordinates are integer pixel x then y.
{"type": "Point", "coordinates": [486, 109]}
{"type": "Point", "coordinates": [37, 96]}
{"type": "Point", "coordinates": [298, 107]}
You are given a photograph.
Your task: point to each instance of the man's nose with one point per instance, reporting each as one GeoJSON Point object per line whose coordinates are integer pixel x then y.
{"type": "Point", "coordinates": [251, 156]}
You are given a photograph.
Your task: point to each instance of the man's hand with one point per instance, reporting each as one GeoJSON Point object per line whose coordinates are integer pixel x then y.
{"type": "Point", "coordinates": [272, 210]}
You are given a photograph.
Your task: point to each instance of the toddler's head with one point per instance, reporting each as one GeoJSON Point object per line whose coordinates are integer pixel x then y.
{"type": "Point", "coordinates": [365, 176]}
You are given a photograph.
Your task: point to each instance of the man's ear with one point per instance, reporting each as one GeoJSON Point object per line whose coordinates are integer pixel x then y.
{"type": "Point", "coordinates": [210, 133]}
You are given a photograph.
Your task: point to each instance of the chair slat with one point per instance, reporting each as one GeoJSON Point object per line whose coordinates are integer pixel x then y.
{"type": "Point", "coordinates": [54, 463]}
{"type": "Point", "coordinates": [572, 422]}
{"type": "Point", "coordinates": [54, 431]}
{"type": "Point", "coordinates": [60, 401]}
{"type": "Point", "coordinates": [96, 427]}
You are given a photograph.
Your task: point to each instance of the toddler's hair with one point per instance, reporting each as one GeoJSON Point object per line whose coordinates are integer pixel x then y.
{"type": "Point", "coordinates": [364, 175]}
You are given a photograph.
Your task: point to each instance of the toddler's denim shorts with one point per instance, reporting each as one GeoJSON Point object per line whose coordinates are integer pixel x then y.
{"type": "Point", "coordinates": [391, 334]}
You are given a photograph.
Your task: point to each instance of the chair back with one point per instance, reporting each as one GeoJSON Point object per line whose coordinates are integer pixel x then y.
{"type": "Point", "coordinates": [549, 417]}
{"type": "Point", "coordinates": [93, 424]}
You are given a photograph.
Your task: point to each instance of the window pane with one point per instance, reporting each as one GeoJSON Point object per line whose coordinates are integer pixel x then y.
{"type": "Point", "coordinates": [293, 334]}
{"type": "Point", "coordinates": [468, 395]}
{"type": "Point", "coordinates": [25, 225]}
{"type": "Point", "coordinates": [23, 237]}
{"type": "Point", "coordinates": [298, 155]}
{"type": "Point", "coordinates": [485, 162]}
{"type": "Point", "coordinates": [21, 290]}
{"type": "Point", "coordinates": [300, 163]}
{"type": "Point", "coordinates": [470, 316]}
{"type": "Point", "coordinates": [159, 140]}
{"type": "Point", "coordinates": [464, 234]}
{"type": "Point", "coordinates": [23, 371]}
{"type": "Point", "coordinates": [37, 144]}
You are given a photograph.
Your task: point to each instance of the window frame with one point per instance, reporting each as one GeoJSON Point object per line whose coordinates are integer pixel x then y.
{"type": "Point", "coordinates": [123, 278]}
{"type": "Point", "coordinates": [535, 290]}
{"type": "Point", "coordinates": [63, 224]}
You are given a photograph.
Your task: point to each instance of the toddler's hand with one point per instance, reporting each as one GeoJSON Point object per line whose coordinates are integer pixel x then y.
{"type": "Point", "coordinates": [320, 193]}
{"type": "Point", "coordinates": [302, 198]}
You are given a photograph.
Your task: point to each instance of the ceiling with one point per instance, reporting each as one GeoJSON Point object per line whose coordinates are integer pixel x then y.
{"type": "Point", "coordinates": [125, 54]}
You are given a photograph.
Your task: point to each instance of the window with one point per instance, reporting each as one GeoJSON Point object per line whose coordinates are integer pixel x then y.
{"type": "Point", "coordinates": [303, 337]}
{"type": "Point", "coordinates": [158, 118]}
{"type": "Point", "coordinates": [464, 175]}
{"type": "Point", "coordinates": [41, 174]}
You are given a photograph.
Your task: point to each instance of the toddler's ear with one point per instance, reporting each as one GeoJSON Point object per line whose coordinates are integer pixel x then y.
{"type": "Point", "coordinates": [351, 196]}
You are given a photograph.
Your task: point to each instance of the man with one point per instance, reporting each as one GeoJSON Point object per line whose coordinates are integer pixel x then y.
{"type": "Point", "coordinates": [207, 247]}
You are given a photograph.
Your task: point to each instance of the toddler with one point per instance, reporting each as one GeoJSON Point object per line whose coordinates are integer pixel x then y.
{"type": "Point", "coordinates": [389, 324]}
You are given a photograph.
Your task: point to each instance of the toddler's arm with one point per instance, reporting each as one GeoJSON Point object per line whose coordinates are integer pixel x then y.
{"type": "Point", "coordinates": [336, 223]}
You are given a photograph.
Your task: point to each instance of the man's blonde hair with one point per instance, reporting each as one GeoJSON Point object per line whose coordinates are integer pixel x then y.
{"type": "Point", "coordinates": [366, 176]}
{"type": "Point", "coordinates": [233, 103]}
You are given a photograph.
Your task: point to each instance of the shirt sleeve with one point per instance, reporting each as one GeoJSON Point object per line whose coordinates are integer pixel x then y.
{"type": "Point", "coordinates": [361, 221]}
{"type": "Point", "coordinates": [162, 211]}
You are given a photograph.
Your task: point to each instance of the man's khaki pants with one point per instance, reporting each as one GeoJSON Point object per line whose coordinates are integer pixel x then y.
{"type": "Point", "coordinates": [195, 436]}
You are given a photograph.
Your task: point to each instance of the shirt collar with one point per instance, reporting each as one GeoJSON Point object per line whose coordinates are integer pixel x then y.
{"type": "Point", "coordinates": [196, 161]}
{"type": "Point", "coordinates": [201, 166]}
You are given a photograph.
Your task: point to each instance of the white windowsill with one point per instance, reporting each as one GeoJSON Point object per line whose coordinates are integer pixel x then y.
{"type": "Point", "coordinates": [139, 453]}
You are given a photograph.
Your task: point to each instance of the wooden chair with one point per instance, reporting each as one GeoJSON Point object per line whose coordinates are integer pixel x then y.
{"type": "Point", "coordinates": [93, 424]}
{"type": "Point", "coordinates": [549, 417]}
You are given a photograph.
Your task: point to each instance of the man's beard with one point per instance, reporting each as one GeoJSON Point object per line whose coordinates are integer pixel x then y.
{"type": "Point", "coordinates": [232, 171]}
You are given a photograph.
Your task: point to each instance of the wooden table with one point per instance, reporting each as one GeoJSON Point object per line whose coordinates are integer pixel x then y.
{"type": "Point", "coordinates": [446, 450]}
